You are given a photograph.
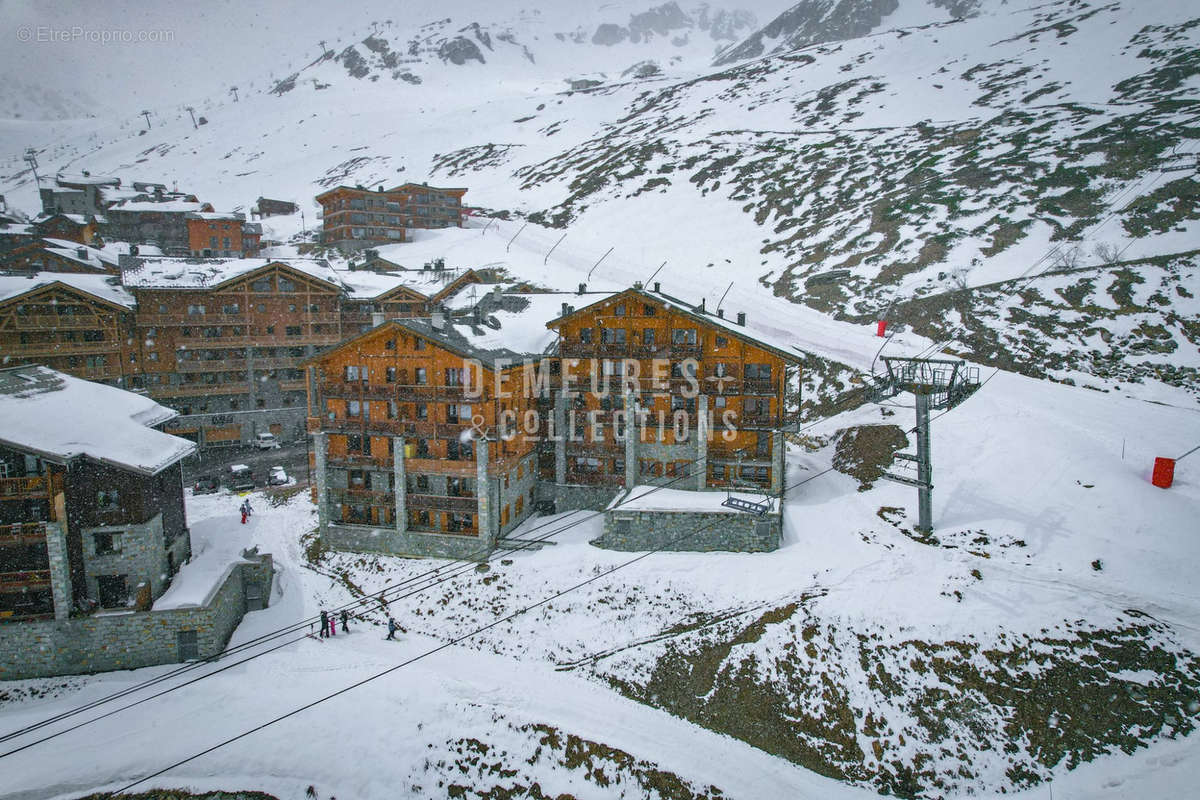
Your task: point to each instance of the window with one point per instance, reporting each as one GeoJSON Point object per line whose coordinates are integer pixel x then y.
{"type": "Point", "coordinates": [189, 645]}
{"type": "Point", "coordinates": [758, 372]}
{"type": "Point", "coordinates": [261, 285]}
{"type": "Point", "coordinates": [422, 411]}
{"type": "Point", "coordinates": [355, 373]}
{"type": "Point", "coordinates": [291, 308]}
{"type": "Point", "coordinates": [648, 337]}
{"type": "Point", "coordinates": [107, 543]}
{"type": "Point", "coordinates": [286, 284]}
{"type": "Point", "coordinates": [390, 374]}
{"type": "Point", "coordinates": [354, 408]}
{"type": "Point", "coordinates": [270, 330]}
{"type": "Point", "coordinates": [722, 341]}
{"type": "Point", "coordinates": [357, 478]}
{"type": "Point", "coordinates": [390, 344]}
{"type": "Point", "coordinates": [619, 311]}
{"type": "Point", "coordinates": [683, 336]}
{"type": "Point", "coordinates": [585, 335]}
{"type": "Point", "coordinates": [719, 401]}
{"type": "Point", "coordinates": [107, 500]}
{"type": "Point", "coordinates": [649, 310]}
{"type": "Point", "coordinates": [393, 410]}
{"type": "Point", "coordinates": [162, 309]}
{"type": "Point", "coordinates": [419, 377]}
{"type": "Point", "coordinates": [194, 310]}
{"type": "Point", "coordinates": [232, 308]}
{"type": "Point", "coordinates": [293, 330]}
{"type": "Point", "coordinates": [613, 335]}
{"type": "Point", "coordinates": [756, 406]}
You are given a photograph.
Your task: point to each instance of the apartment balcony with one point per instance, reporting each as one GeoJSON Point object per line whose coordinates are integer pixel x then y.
{"type": "Point", "coordinates": [435, 502]}
{"type": "Point", "coordinates": [594, 479]}
{"type": "Point", "coordinates": [361, 460]}
{"type": "Point", "coordinates": [596, 449]}
{"type": "Point", "coordinates": [214, 365]}
{"type": "Point", "coordinates": [361, 496]}
{"type": "Point", "coordinates": [68, 348]}
{"type": "Point", "coordinates": [199, 389]}
{"type": "Point", "coordinates": [48, 322]}
{"type": "Point", "coordinates": [22, 533]}
{"type": "Point", "coordinates": [262, 340]}
{"type": "Point", "coordinates": [25, 580]}
{"type": "Point", "coordinates": [293, 386]}
{"type": "Point", "coordinates": [30, 487]}
{"type": "Point", "coordinates": [759, 386]}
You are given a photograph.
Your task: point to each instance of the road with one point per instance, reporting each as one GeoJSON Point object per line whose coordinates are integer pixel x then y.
{"type": "Point", "coordinates": [215, 461]}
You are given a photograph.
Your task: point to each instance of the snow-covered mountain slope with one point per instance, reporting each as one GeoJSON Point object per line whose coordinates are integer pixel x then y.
{"type": "Point", "coordinates": [819, 21]}
{"type": "Point", "coordinates": [24, 99]}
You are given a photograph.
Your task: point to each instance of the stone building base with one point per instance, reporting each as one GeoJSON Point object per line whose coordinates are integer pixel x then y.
{"type": "Point", "coordinates": [389, 541]}
{"type": "Point", "coordinates": [690, 531]}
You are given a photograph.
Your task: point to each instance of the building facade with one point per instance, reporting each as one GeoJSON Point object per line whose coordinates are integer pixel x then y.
{"type": "Point", "coordinates": [416, 451]}
{"type": "Point", "coordinates": [221, 341]}
{"type": "Point", "coordinates": [91, 497]}
{"type": "Point", "coordinates": [355, 217]}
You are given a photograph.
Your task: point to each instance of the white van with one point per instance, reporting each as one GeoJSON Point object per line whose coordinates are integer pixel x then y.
{"type": "Point", "coordinates": [266, 441]}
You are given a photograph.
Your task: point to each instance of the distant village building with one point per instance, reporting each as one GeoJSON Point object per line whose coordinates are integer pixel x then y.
{"type": "Point", "coordinates": [355, 217]}
{"type": "Point", "coordinates": [228, 235]}
{"type": "Point", "coordinates": [91, 496]}
{"type": "Point", "coordinates": [266, 207]}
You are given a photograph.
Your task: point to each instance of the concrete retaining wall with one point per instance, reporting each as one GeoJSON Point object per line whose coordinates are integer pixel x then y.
{"type": "Point", "coordinates": [387, 541]}
{"type": "Point", "coordinates": [129, 640]}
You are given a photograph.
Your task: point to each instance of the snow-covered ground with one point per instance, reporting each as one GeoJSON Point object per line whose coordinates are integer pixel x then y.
{"type": "Point", "coordinates": [1056, 476]}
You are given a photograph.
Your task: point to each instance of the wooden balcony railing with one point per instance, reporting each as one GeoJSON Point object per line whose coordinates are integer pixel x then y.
{"type": "Point", "coordinates": [67, 348]}
{"type": "Point", "coordinates": [594, 479]}
{"type": "Point", "coordinates": [45, 322]}
{"type": "Point", "coordinates": [438, 502]}
{"type": "Point", "coordinates": [30, 486]}
{"type": "Point", "coordinates": [211, 365]}
{"type": "Point", "coordinates": [26, 579]}
{"type": "Point", "coordinates": [23, 533]}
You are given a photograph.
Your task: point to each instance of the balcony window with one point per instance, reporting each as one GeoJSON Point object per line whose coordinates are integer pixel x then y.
{"type": "Point", "coordinates": [615, 336]}
{"type": "Point", "coordinates": [287, 285]}
{"type": "Point", "coordinates": [683, 336]}
{"type": "Point", "coordinates": [585, 335]}
{"type": "Point", "coordinates": [421, 410]}
{"type": "Point", "coordinates": [293, 330]}
{"type": "Point", "coordinates": [232, 308]}
{"type": "Point", "coordinates": [648, 337]}
{"type": "Point", "coordinates": [355, 374]}
{"type": "Point", "coordinates": [419, 376]}
{"type": "Point", "coordinates": [390, 374]}
{"type": "Point", "coordinates": [619, 311]}
{"type": "Point", "coordinates": [194, 310]}
{"type": "Point", "coordinates": [761, 372]}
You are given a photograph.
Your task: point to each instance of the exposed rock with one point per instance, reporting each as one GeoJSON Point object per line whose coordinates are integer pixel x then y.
{"type": "Point", "coordinates": [459, 50]}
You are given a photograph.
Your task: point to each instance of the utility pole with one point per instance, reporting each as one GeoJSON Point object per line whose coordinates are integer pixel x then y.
{"type": "Point", "coordinates": [324, 49]}
{"type": "Point", "coordinates": [146, 114]}
{"type": "Point", "coordinates": [31, 160]}
{"type": "Point", "coordinates": [192, 111]}
{"type": "Point", "coordinates": [935, 383]}
{"type": "Point", "coordinates": [233, 91]}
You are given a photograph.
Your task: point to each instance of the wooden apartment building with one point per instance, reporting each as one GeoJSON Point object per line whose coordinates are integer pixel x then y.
{"type": "Point", "coordinates": [415, 451]}
{"type": "Point", "coordinates": [710, 398]}
{"type": "Point", "coordinates": [354, 216]}
{"type": "Point", "coordinates": [221, 341]}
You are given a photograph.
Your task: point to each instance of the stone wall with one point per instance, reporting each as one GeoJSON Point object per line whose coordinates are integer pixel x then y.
{"type": "Point", "coordinates": [592, 498]}
{"type": "Point", "coordinates": [690, 531]}
{"type": "Point", "coordinates": [130, 639]}
{"type": "Point", "coordinates": [388, 541]}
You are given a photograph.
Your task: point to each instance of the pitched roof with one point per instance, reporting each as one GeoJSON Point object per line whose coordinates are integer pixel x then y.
{"type": "Point", "coordinates": [60, 417]}
{"type": "Point", "coordinates": [105, 288]}
{"type": "Point", "coordinates": [776, 340]}
{"type": "Point", "coordinates": [161, 272]}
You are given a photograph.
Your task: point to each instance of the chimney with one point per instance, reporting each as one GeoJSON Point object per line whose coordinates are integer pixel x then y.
{"type": "Point", "coordinates": [377, 319]}
{"type": "Point", "coordinates": [566, 309]}
{"type": "Point", "coordinates": [81, 252]}
{"type": "Point", "coordinates": [721, 313]}
{"type": "Point", "coordinates": [700, 308]}
{"type": "Point", "coordinates": [741, 318]}
{"type": "Point", "coordinates": [496, 290]}
{"type": "Point", "coordinates": [437, 321]}
{"type": "Point", "coordinates": [637, 285]}
{"type": "Point", "coordinates": [477, 314]}
{"type": "Point", "coordinates": [582, 288]}
{"type": "Point", "coordinates": [658, 286]}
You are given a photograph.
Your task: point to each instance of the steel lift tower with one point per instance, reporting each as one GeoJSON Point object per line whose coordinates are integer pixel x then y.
{"type": "Point", "coordinates": [937, 383]}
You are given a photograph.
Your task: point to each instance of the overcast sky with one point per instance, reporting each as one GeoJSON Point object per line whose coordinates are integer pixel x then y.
{"type": "Point", "coordinates": [169, 53]}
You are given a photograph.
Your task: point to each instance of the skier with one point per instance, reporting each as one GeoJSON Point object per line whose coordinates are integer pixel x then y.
{"type": "Point", "coordinates": [345, 621]}
{"type": "Point", "coordinates": [249, 508]}
{"type": "Point", "coordinates": [332, 625]}
{"type": "Point", "coordinates": [391, 629]}
{"type": "Point", "coordinates": [243, 515]}
{"type": "Point", "coordinates": [324, 623]}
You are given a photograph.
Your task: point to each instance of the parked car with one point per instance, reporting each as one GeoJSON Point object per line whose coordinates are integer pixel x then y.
{"type": "Point", "coordinates": [266, 441]}
{"type": "Point", "coordinates": [277, 477]}
{"type": "Point", "coordinates": [205, 484]}
{"type": "Point", "coordinates": [240, 477]}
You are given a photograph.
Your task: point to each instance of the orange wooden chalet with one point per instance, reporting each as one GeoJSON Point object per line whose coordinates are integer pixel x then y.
{"type": "Point", "coordinates": [416, 450]}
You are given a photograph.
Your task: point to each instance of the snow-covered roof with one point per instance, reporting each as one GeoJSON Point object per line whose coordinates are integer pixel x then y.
{"type": "Point", "coordinates": [369, 285]}
{"type": "Point", "coordinates": [756, 331]}
{"type": "Point", "coordinates": [60, 417]}
{"type": "Point", "coordinates": [80, 179]}
{"type": "Point", "coordinates": [166, 207]}
{"type": "Point", "coordinates": [657, 498]}
{"type": "Point", "coordinates": [104, 287]}
{"type": "Point", "coordinates": [224, 216]}
{"type": "Point", "coordinates": [17, 229]}
{"type": "Point", "coordinates": [161, 272]}
{"type": "Point", "coordinates": [96, 258]}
